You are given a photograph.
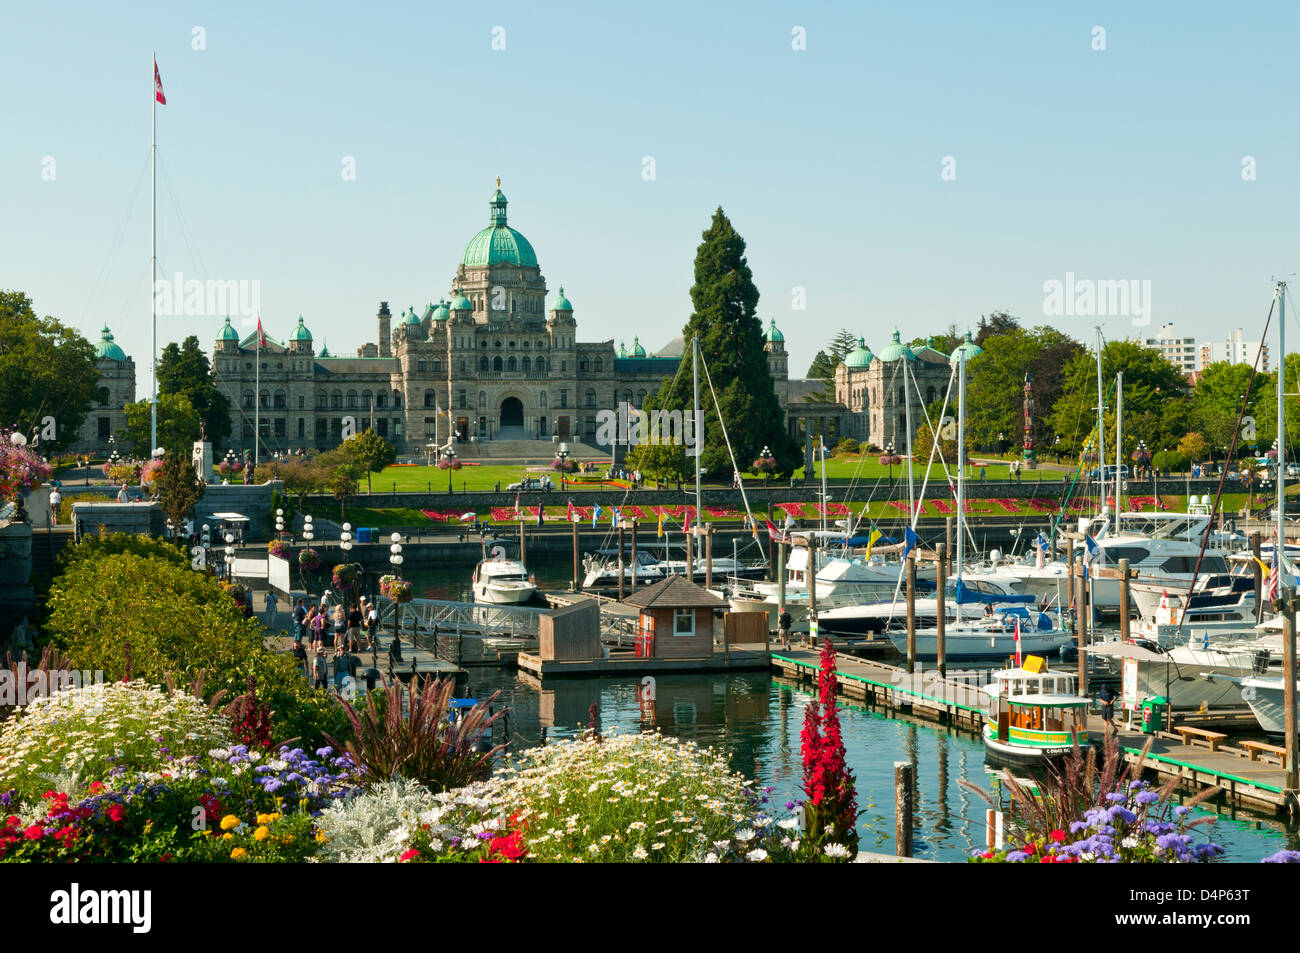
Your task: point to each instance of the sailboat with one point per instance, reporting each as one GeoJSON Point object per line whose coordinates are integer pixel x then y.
{"type": "Point", "coordinates": [1002, 631]}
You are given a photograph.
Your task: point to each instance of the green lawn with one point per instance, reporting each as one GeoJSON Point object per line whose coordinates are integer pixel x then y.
{"type": "Point", "coordinates": [869, 467]}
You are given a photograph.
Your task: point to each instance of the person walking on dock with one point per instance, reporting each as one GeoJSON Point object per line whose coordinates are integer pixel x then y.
{"type": "Point", "coordinates": [272, 607]}
{"type": "Point", "coordinates": [318, 671]}
{"type": "Point", "coordinates": [299, 621]}
{"type": "Point", "coordinates": [55, 499]}
{"type": "Point", "coordinates": [1107, 698]}
{"type": "Point", "coordinates": [783, 624]}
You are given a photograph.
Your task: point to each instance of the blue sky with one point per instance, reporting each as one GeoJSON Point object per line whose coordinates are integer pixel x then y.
{"type": "Point", "coordinates": [1124, 163]}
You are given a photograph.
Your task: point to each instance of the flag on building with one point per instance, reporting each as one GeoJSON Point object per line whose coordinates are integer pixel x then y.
{"type": "Point", "coordinates": [157, 85]}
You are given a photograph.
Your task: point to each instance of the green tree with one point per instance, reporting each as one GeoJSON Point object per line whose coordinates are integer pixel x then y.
{"type": "Point", "coordinates": [823, 366]}
{"type": "Point", "coordinates": [995, 325]}
{"type": "Point", "coordinates": [1266, 407]}
{"type": "Point", "coordinates": [185, 370]}
{"type": "Point", "coordinates": [1151, 386]}
{"type": "Point", "coordinates": [725, 323]}
{"type": "Point", "coordinates": [370, 452]}
{"type": "Point", "coordinates": [46, 370]}
{"type": "Point", "coordinates": [1194, 446]}
{"type": "Point", "coordinates": [178, 424]}
{"type": "Point", "coordinates": [178, 487]}
{"type": "Point", "coordinates": [301, 478]}
{"type": "Point", "coordinates": [996, 381]}
{"type": "Point", "coordinates": [341, 474]}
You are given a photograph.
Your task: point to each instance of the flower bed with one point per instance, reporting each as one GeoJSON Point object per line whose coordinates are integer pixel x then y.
{"type": "Point", "coordinates": [278, 547]}
{"type": "Point", "coordinates": [91, 732]}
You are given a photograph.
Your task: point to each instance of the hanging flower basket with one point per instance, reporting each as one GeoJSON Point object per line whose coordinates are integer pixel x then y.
{"type": "Point", "coordinates": [237, 591]}
{"type": "Point", "coordinates": [446, 464]}
{"type": "Point", "coordinates": [385, 584]}
{"type": "Point", "coordinates": [278, 547]}
{"type": "Point", "coordinates": [564, 466]}
{"type": "Point", "coordinates": [21, 470]}
{"type": "Point", "coordinates": [149, 472]}
{"type": "Point", "coordinates": [309, 560]}
{"type": "Point", "coordinates": [765, 465]}
{"type": "Point", "coordinates": [226, 468]}
{"type": "Point", "coordinates": [345, 577]}
{"type": "Point", "coordinates": [399, 590]}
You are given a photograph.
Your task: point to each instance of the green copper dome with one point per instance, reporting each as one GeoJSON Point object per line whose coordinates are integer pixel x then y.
{"type": "Point", "coordinates": [107, 349]}
{"type": "Point", "coordinates": [622, 351]}
{"type": "Point", "coordinates": [325, 351]}
{"type": "Point", "coordinates": [859, 357]}
{"type": "Point", "coordinates": [896, 349]}
{"type": "Point", "coordinates": [773, 334]}
{"type": "Point", "coordinates": [637, 349]}
{"type": "Point", "coordinates": [461, 303]}
{"type": "Point", "coordinates": [562, 303]}
{"type": "Point", "coordinates": [499, 243]}
{"type": "Point", "coordinates": [228, 333]}
{"type": "Point", "coordinates": [442, 312]}
{"type": "Point", "coordinates": [411, 316]}
{"type": "Point", "coordinates": [300, 333]}
{"type": "Point", "coordinates": [968, 348]}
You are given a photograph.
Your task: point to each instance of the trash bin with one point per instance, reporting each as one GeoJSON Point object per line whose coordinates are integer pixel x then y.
{"type": "Point", "coordinates": [1153, 713]}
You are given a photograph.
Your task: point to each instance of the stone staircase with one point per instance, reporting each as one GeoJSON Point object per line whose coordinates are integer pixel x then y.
{"type": "Point", "coordinates": [525, 451]}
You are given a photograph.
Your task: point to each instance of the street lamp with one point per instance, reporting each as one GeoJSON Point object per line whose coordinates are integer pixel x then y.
{"type": "Point", "coordinates": [889, 452]}
{"type": "Point", "coordinates": [451, 465]}
{"type": "Point", "coordinates": [1002, 443]}
{"type": "Point", "coordinates": [230, 556]}
{"type": "Point", "coordinates": [767, 452]}
{"type": "Point", "coordinates": [395, 560]}
{"type": "Point", "coordinates": [308, 534]}
{"type": "Point", "coordinates": [562, 455]}
{"type": "Point", "coordinates": [279, 522]}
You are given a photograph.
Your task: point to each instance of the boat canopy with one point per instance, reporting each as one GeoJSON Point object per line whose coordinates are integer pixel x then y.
{"type": "Point", "coordinates": [1049, 701]}
{"type": "Point", "coordinates": [966, 596]}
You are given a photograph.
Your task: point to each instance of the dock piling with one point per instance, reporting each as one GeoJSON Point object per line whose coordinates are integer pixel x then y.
{"type": "Point", "coordinates": [1123, 599]}
{"type": "Point", "coordinates": [911, 613]}
{"type": "Point", "coordinates": [1288, 683]}
{"type": "Point", "coordinates": [577, 579]}
{"type": "Point", "coordinates": [1259, 577]}
{"type": "Point", "coordinates": [620, 561]}
{"type": "Point", "coordinates": [941, 621]}
{"type": "Point", "coordinates": [634, 554]}
{"type": "Point", "coordinates": [903, 776]}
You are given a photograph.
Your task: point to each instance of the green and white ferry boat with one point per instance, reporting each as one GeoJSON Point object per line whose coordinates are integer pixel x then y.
{"type": "Point", "coordinates": [1033, 714]}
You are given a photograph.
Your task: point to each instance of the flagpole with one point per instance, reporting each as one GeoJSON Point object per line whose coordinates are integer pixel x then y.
{"type": "Point", "coordinates": [257, 399]}
{"type": "Point", "coordinates": [153, 259]}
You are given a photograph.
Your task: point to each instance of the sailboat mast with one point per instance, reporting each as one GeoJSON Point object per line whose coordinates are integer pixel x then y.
{"type": "Point", "coordinates": [153, 255]}
{"type": "Point", "coordinates": [1101, 437]}
{"type": "Point", "coordinates": [1280, 550]}
{"type": "Point", "coordinates": [699, 449]}
{"type": "Point", "coordinates": [907, 407]}
{"type": "Point", "coordinates": [961, 459]}
{"type": "Point", "coordinates": [1119, 440]}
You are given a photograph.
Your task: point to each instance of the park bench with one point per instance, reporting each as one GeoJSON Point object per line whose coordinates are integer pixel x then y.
{"type": "Point", "coordinates": [1256, 748]}
{"type": "Point", "coordinates": [1192, 735]}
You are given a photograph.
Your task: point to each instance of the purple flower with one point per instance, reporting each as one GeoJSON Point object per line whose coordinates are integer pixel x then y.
{"type": "Point", "coordinates": [1283, 857]}
{"type": "Point", "coordinates": [1116, 798]}
{"type": "Point", "coordinates": [1182, 810]}
{"type": "Point", "coordinates": [1017, 856]}
{"type": "Point", "coordinates": [1147, 797]}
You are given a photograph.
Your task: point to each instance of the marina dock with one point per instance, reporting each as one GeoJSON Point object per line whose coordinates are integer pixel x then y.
{"type": "Point", "coordinates": [1230, 768]}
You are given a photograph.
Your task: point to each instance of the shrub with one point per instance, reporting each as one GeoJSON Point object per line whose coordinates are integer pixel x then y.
{"type": "Point", "coordinates": [847, 446]}
{"type": "Point", "coordinates": [95, 547]}
{"type": "Point", "coordinates": [415, 737]}
{"type": "Point", "coordinates": [82, 734]}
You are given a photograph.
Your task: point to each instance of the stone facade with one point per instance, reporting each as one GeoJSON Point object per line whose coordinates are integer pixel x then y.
{"type": "Point", "coordinates": [107, 416]}
{"type": "Point", "coordinates": [492, 362]}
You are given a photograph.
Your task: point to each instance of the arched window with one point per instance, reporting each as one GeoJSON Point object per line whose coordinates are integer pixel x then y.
{"type": "Point", "coordinates": [498, 345]}
{"type": "Point", "coordinates": [436, 366]}
{"type": "Point", "coordinates": [429, 398]}
{"type": "Point", "coordinates": [482, 400]}
{"type": "Point", "coordinates": [336, 400]}
{"type": "Point", "coordinates": [352, 400]}
{"type": "Point", "coordinates": [600, 366]}
{"type": "Point", "coordinates": [496, 363]}
{"type": "Point", "coordinates": [527, 364]}
{"type": "Point", "coordinates": [367, 399]}
{"type": "Point", "coordinates": [281, 401]}
{"type": "Point", "coordinates": [322, 400]}
{"type": "Point", "coordinates": [640, 397]}
{"type": "Point", "coordinates": [627, 396]}
{"type": "Point", "coordinates": [583, 366]}
{"type": "Point", "coordinates": [482, 363]}
{"type": "Point", "coordinates": [510, 363]}
{"type": "Point", "coordinates": [421, 365]}
{"type": "Point", "coordinates": [302, 403]}
{"type": "Point", "coordinates": [591, 398]}
{"type": "Point", "coordinates": [541, 365]}
{"type": "Point", "coordinates": [380, 398]}
{"type": "Point", "coordinates": [929, 395]}
{"type": "Point", "coordinates": [397, 400]}
{"type": "Point", "coordinates": [248, 400]}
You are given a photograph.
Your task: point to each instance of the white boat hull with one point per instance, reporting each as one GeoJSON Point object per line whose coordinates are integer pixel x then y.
{"type": "Point", "coordinates": [965, 643]}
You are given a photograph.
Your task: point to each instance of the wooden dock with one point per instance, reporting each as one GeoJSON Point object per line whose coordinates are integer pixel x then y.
{"type": "Point", "coordinates": [625, 663]}
{"type": "Point", "coordinates": [1255, 784]}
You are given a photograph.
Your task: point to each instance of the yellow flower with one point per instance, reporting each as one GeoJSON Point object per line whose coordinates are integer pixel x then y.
{"type": "Point", "coordinates": [229, 821]}
{"type": "Point", "coordinates": [227, 836]}
{"type": "Point", "coordinates": [262, 833]}
{"type": "Point", "coordinates": [268, 818]}
{"type": "Point", "coordinates": [320, 837]}
{"type": "Point", "coordinates": [286, 839]}
{"type": "Point", "coordinates": [238, 853]}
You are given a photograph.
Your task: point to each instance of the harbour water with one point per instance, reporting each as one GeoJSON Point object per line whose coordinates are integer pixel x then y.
{"type": "Point", "coordinates": [756, 719]}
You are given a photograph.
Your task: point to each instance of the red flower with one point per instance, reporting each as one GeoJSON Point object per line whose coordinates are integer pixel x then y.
{"type": "Point", "coordinates": [408, 855]}
{"type": "Point", "coordinates": [116, 813]}
{"type": "Point", "coordinates": [67, 835]}
{"type": "Point", "coordinates": [1031, 848]}
{"type": "Point", "coordinates": [34, 832]}
{"type": "Point", "coordinates": [1047, 859]}
{"type": "Point", "coordinates": [1057, 836]}
{"type": "Point", "coordinates": [96, 787]}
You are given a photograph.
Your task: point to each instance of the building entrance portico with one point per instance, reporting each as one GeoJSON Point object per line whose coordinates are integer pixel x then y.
{"type": "Point", "coordinates": [512, 419]}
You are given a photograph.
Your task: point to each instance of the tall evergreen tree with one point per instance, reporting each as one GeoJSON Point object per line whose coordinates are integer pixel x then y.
{"type": "Point", "coordinates": [725, 322]}
{"type": "Point", "coordinates": [186, 370]}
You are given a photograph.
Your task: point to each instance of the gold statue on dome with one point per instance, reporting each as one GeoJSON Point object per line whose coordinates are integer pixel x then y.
{"type": "Point", "coordinates": [498, 181]}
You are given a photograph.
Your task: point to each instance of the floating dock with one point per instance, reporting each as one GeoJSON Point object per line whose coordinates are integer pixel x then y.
{"type": "Point", "coordinates": [1243, 781]}
{"type": "Point", "coordinates": [626, 664]}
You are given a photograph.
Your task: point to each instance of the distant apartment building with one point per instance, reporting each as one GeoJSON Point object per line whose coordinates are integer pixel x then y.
{"type": "Point", "coordinates": [1235, 350]}
{"type": "Point", "coordinates": [1180, 352]}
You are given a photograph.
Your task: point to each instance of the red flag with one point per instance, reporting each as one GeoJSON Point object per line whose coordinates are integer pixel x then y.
{"type": "Point", "coordinates": [261, 335]}
{"type": "Point", "coordinates": [157, 85]}
{"type": "Point", "coordinates": [775, 533]}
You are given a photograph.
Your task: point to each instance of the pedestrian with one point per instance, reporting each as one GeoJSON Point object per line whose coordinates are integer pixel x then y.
{"type": "Point", "coordinates": [783, 625]}
{"type": "Point", "coordinates": [319, 671]}
{"type": "Point", "coordinates": [354, 629]}
{"type": "Point", "coordinates": [1107, 698]}
{"type": "Point", "coordinates": [316, 621]}
{"type": "Point", "coordinates": [372, 626]}
{"type": "Point", "coordinates": [326, 601]}
{"type": "Point", "coordinates": [122, 495]}
{"type": "Point", "coordinates": [299, 621]}
{"type": "Point", "coordinates": [299, 652]}
{"type": "Point", "coordinates": [340, 629]}
{"type": "Point", "coordinates": [55, 500]}
{"type": "Point", "coordinates": [272, 607]}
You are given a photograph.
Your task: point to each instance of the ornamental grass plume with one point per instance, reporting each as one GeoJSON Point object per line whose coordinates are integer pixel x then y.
{"type": "Point", "coordinates": [831, 808]}
{"type": "Point", "coordinates": [416, 737]}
